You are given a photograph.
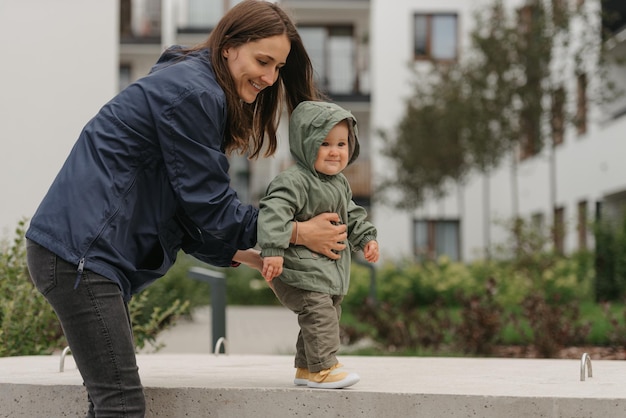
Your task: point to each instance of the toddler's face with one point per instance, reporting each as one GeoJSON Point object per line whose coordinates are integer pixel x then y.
{"type": "Point", "coordinates": [333, 154]}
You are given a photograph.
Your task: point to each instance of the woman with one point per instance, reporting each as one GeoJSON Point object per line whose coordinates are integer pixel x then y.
{"type": "Point", "coordinates": [148, 176]}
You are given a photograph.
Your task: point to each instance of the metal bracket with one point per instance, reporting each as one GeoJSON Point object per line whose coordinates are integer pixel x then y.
{"type": "Point", "coordinates": [65, 352]}
{"type": "Point", "coordinates": [220, 342]}
{"type": "Point", "coordinates": [585, 363]}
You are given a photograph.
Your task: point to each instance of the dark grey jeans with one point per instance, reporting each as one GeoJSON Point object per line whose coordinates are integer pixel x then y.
{"type": "Point", "coordinates": [97, 326]}
{"type": "Point", "coordinates": [318, 316]}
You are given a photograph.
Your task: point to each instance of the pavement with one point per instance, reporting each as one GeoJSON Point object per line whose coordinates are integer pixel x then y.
{"type": "Point", "coordinates": [255, 379]}
{"type": "Point", "coordinates": [249, 330]}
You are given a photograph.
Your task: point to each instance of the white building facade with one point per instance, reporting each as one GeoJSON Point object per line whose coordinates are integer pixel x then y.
{"type": "Point", "coordinates": [362, 50]}
{"type": "Point", "coordinates": [59, 66]}
{"type": "Point", "coordinates": [335, 33]}
{"type": "Point", "coordinates": [583, 177]}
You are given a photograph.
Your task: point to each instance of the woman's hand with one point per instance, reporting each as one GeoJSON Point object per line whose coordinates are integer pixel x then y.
{"type": "Point", "coordinates": [321, 234]}
{"type": "Point", "coordinates": [250, 257]}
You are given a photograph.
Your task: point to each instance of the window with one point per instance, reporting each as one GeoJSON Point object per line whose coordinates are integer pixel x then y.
{"type": "Point", "coordinates": [537, 222]}
{"type": "Point", "coordinates": [529, 133]}
{"type": "Point", "coordinates": [435, 37]}
{"type": "Point", "coordinates": [332, 50]}
{"type": "Point", "coordinates": [124, 77]}
{"type": "Point", "coordinates": [202, 14]}
{"type": "Point", "coordinates": [613, 17]}
{"type": "Point", "coordinates": [582, 225]}
{"type": "Point", "coordinates": [613, 208]}
{"type": "Point", "coordinates": [558, 116]}
{"type": "Point", "coordinates": [149, 19]}
{"type": "Point", "coordinates": [125, 19]}
{"type": "Point", "coordinates": [435, 238]}
{"type": "Point", "coordinates": [559, 13]}
{"type": "Point", "coordinates": [558, 232]}
{"type": "Point", "coordinates": [581, 104]}
{"type": "Point", "coordinates": [532, 93]}
{"type": "Point", "coordinates": [240, 177]}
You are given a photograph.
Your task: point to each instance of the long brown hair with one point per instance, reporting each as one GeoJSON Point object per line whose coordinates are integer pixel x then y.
{"type": "Point", "coordinates": [248, 125]}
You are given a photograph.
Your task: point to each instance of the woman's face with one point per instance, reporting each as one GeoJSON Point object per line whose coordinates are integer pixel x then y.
{"type": "Point", "coordinates": [255, 65]}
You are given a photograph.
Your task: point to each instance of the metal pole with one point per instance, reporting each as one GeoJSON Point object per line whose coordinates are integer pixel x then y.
{"type": "Point", "coordinates": [217, 281]}
{"type": "Point", "coordinates": [372, 294]}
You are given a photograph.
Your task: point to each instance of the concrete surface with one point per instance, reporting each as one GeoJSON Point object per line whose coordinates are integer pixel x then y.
{"type": "Point", "coordinates": [205, 385]}
{"type": "Point", "coordinates": [249, 330]}
{"type": "Point", "coordinates": [255, 384]}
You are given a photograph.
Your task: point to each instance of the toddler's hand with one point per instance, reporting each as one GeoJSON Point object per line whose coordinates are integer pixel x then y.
{"type": "Point", "coordinates": [272, 267]}
{"type": "Point", "coordinates": [370, 251]}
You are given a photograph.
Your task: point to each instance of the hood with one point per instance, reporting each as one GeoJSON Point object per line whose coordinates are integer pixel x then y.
{"type": "Point", "coordinates": [177, 53]}
{"type": "Point", "coordinates": [309, 125]}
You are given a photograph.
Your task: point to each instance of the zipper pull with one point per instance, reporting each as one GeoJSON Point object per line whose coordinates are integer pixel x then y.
{"type": "Point", "coordinates": [81, 265]}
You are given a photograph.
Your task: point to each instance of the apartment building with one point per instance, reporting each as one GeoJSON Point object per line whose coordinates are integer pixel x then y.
{"type": "Point", "coordinates": [363, 51]}
{"type": "Point", "coordinates": [565, 186]}
{"type": "Point", "coordinates": [335, 33]}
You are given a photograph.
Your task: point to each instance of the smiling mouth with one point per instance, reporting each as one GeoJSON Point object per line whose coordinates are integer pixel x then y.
{"type": "Point", "coordinates": [256, 86]}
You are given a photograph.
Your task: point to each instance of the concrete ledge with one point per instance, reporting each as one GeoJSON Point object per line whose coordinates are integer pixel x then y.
{"type": "Point", "coordinates": [197, 385]}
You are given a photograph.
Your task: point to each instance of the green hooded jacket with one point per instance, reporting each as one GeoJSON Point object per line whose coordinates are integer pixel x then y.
{"type": "Point", "coordinates": [300, 193]}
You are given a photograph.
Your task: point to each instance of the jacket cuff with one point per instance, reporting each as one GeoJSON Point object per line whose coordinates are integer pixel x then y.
{"type": "Point", "coordinates": [272, 252]}
{"type": "Point", "coordinates": [365, 240]}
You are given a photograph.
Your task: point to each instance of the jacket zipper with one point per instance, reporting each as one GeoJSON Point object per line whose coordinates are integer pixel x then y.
{"type": "Point", "coordinates": [81, 266]}
{"type": "Point", "coordinates": [81, 262]}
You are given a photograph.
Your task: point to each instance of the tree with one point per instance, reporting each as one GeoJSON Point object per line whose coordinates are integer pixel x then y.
{"type": "Point", "coordinates": [498, 101]}
{"type": "Point", "coordinates": [429, 146]}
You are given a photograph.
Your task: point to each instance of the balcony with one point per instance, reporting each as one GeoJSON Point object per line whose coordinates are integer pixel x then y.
{"type": "Point", "coordinates": [360, 177]}
{"type": "Point", "coordinates": [140, 22]}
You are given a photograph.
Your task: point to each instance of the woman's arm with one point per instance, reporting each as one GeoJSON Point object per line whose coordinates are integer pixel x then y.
{"type": "Point", "coordinates": [320, 235]}
{"type": "Point", "coordinates": [250, 257]}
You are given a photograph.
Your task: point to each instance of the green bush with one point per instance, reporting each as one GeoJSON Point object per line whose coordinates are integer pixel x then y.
{"type": "Point", "coordinates": [444, 281]}
{"type": "Point", "coordinates": [531, 297]}
{"type": "Point", "coordinates": [610, 260]}
{"type": "Point", "coordinates": [146, 327]}
{"type": "Point", "coordinates": [246, 286]}
{"type": "Point", "coordinates": [28, 325]}
{"type": "Point", "coordinates": [480, 322]}
{"type": "Point", "coordinates": [174, 286]}
{"type": "Point", "coordinates": [436, 305]}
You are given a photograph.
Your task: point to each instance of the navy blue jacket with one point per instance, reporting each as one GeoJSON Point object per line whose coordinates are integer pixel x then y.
{"type": "Point", "coordinates": [147, 177]}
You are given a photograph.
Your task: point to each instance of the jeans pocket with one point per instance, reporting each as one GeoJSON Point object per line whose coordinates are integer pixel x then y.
{"type": "Point", "coordinates": [41, 267]}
